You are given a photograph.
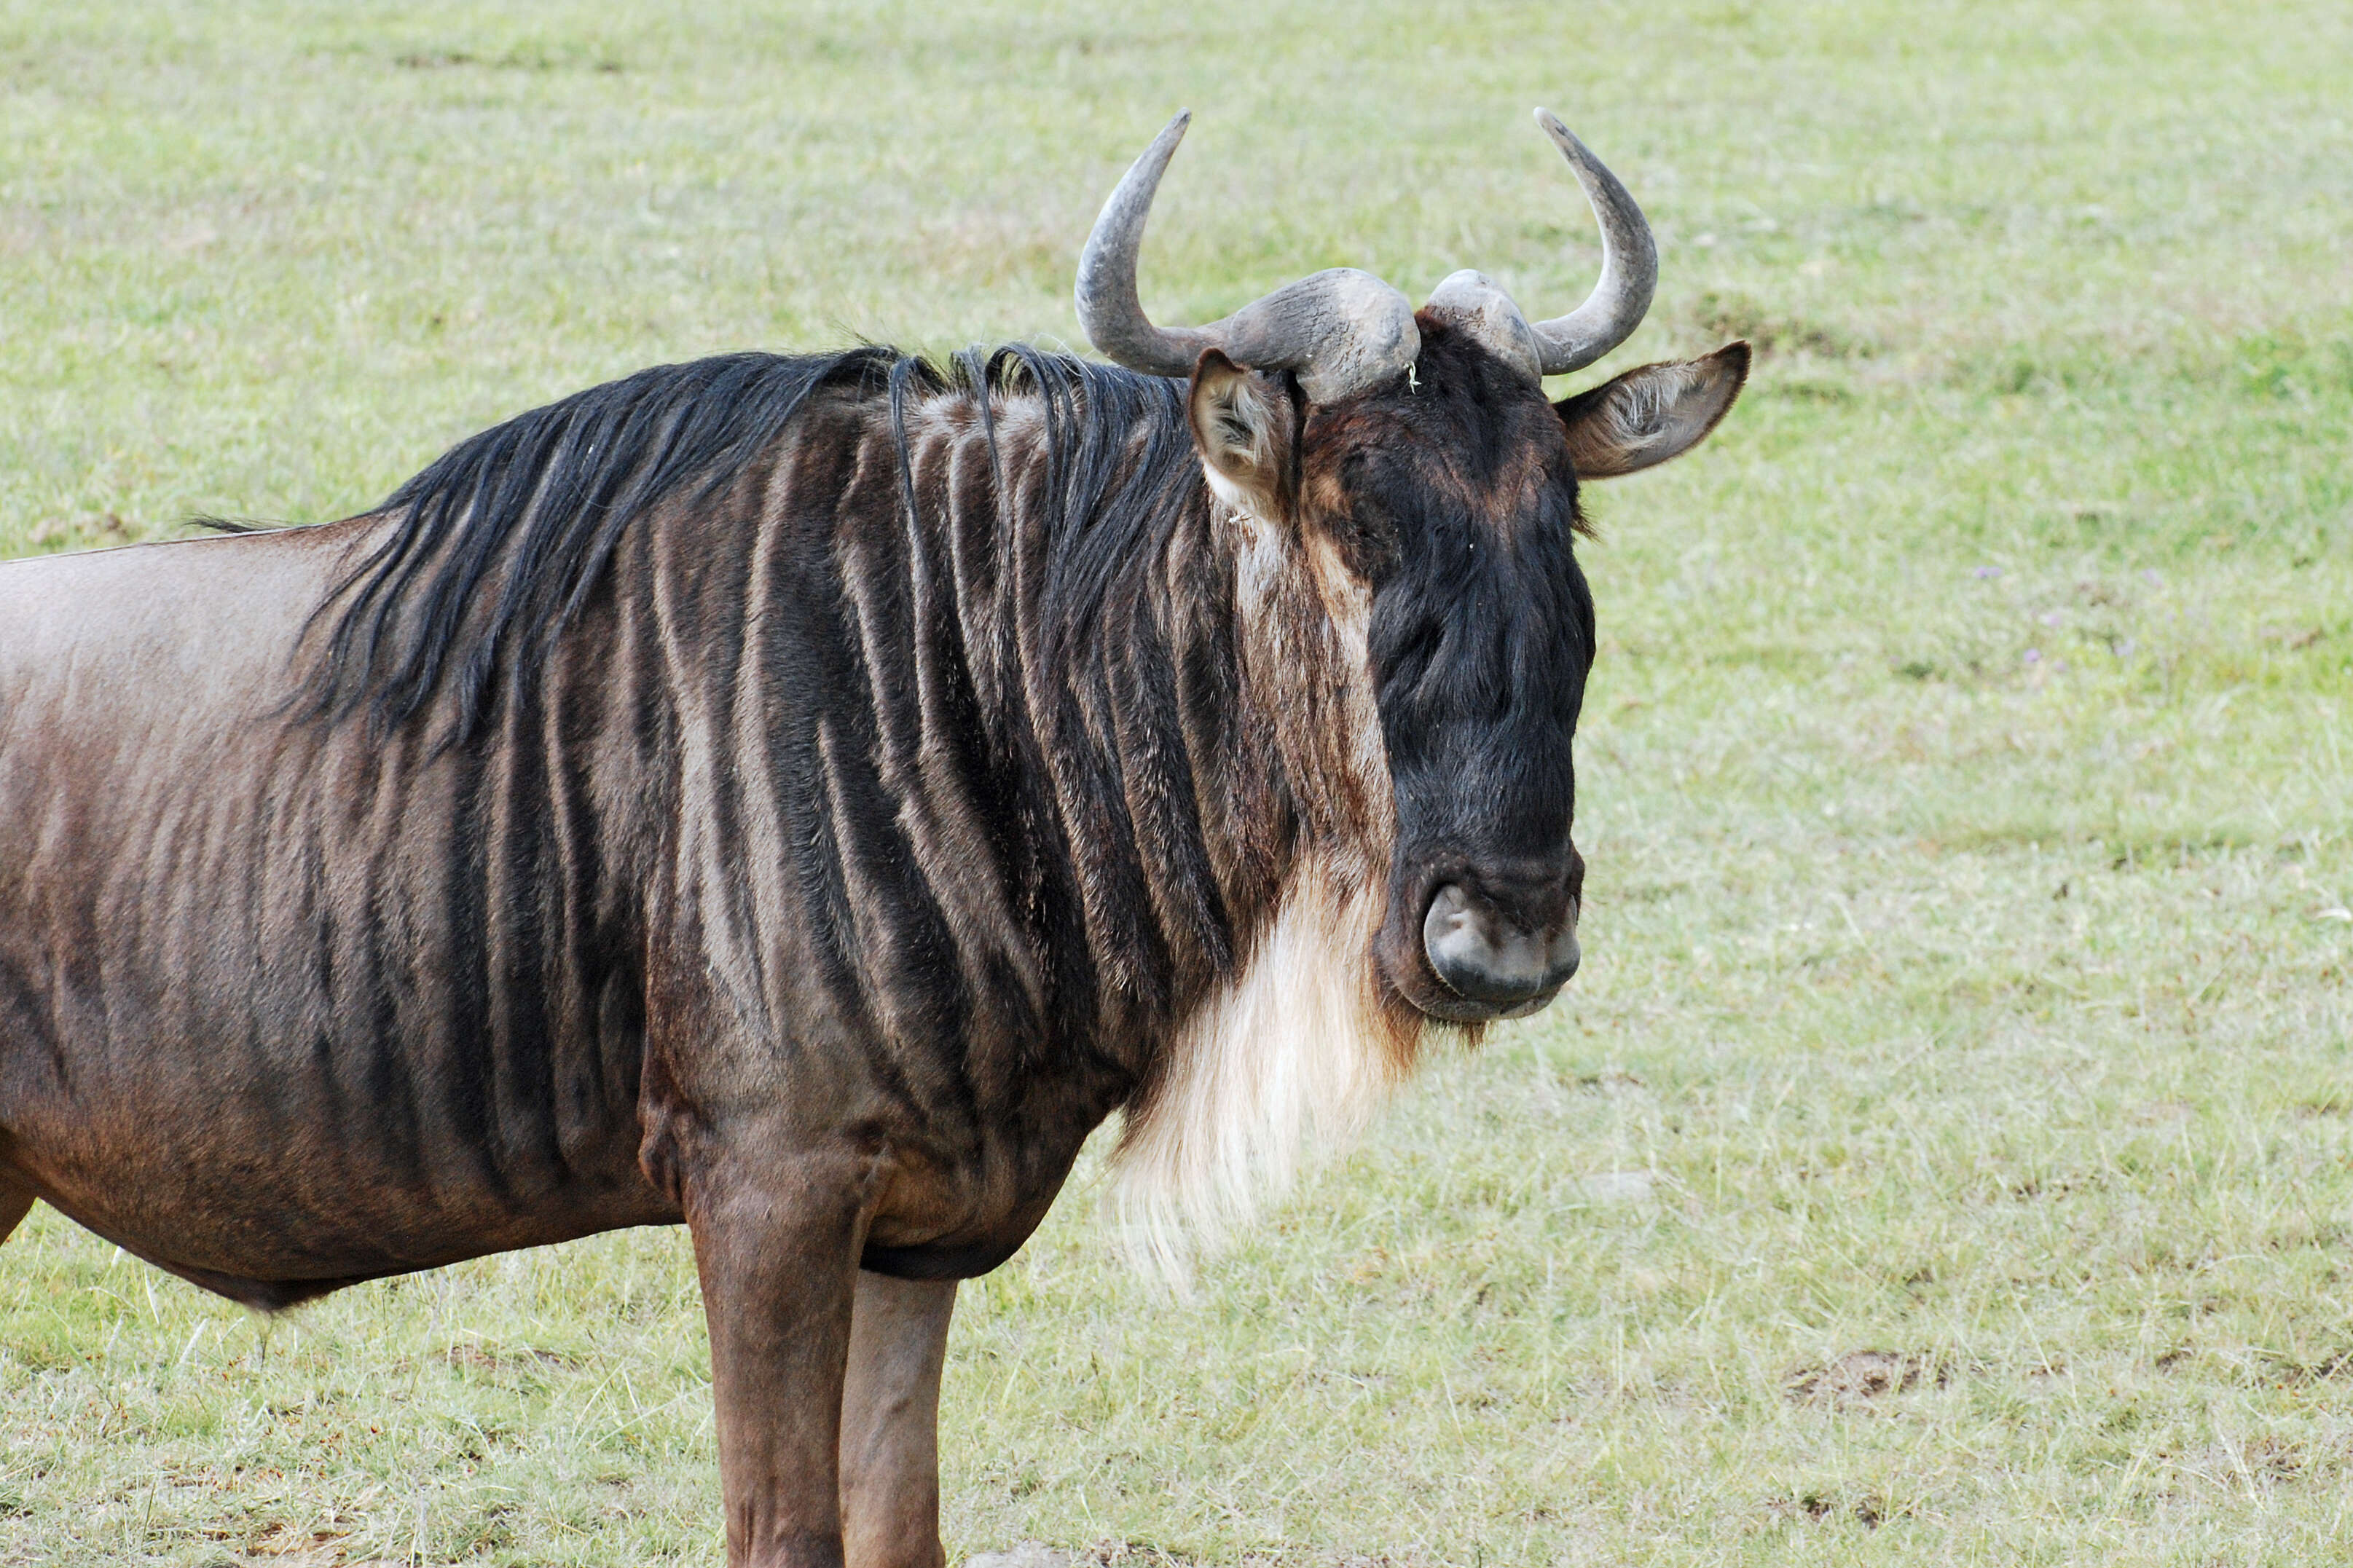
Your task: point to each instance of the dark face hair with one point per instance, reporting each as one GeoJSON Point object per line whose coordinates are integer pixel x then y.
{"type": "Point", "coordinates": [1454, 496]}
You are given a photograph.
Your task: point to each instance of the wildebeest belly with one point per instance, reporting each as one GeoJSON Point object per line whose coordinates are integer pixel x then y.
{"type": "Point", "coordinates": [268, 1180]}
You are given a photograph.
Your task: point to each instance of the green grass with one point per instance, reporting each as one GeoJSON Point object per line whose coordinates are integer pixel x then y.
{"type": "Point", "coordinates": [1965, 773]}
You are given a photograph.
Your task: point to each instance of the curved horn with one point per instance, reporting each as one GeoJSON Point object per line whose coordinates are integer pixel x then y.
{"type": "Point", "coordinates": [1108, 307]}
{"type": "Point", "coordinates": [1630, 266]}
{"type": "Point", "coordinates": [1340, 330]}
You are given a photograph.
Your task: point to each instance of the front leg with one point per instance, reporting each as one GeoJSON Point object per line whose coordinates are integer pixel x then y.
{"type": "Point", "coordinates": [777, 1246]}
{"type": "Point", "coordinates": [889, 1423]}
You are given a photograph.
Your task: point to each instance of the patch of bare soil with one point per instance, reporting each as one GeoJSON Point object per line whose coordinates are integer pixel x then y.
{"type": "Point", "coordinates": [477, 1358]}
{"type": "Point", "coordinates": [1870, 1511]}
{"type": "Point", "coordinates": [1862, 1376]}
{"type": "Point", "coordinates": [1121, 1554]}
{"type": "Point", "coordinates": [291, 1546]}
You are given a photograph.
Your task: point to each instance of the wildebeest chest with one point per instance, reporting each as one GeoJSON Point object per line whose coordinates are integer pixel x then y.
{"type": "Point", "coordinates": [1001, 788]}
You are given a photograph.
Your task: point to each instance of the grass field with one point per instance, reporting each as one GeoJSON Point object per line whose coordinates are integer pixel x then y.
{"type": "Point", "coordinates": [1947, 1154]}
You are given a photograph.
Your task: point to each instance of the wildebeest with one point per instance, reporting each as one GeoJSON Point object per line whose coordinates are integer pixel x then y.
{"type": "Point", "coordinates": [803, 797]}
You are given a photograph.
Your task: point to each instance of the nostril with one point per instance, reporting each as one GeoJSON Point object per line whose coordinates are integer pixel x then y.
{"type": "Point", "coordinates": [1564, 958]}
{"type": "Point", "coordinates": [1450, 916]}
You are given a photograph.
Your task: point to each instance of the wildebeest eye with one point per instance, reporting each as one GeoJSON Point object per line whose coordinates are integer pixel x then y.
{"type": "Point", "coordinates": [1365, 536]}
{"type": "Point", "coordinates": [1365, 547]}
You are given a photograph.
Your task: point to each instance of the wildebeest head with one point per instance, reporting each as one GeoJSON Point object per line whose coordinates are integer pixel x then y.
{"type": "Point", "coordinates": [1418, 451]}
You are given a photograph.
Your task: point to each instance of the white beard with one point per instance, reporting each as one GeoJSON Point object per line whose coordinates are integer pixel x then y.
{"type": "Point", "coordinates": [1293, 1048]}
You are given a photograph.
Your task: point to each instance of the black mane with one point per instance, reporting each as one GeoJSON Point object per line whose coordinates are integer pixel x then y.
{"type": "Point", "coordinates": [540, 502]}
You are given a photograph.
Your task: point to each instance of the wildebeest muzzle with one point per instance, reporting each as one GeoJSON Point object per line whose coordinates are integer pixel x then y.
{"type": "Point", "coordinates": [1491, 942]}
{"type": "Point", "coordinates": [1489, 960]}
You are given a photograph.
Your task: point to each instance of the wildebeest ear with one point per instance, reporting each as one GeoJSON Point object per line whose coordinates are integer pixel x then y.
{"type": "Point", "coordinates": [1647, 415]}
{"type": "Point", "coordinates": [1246, 426]}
